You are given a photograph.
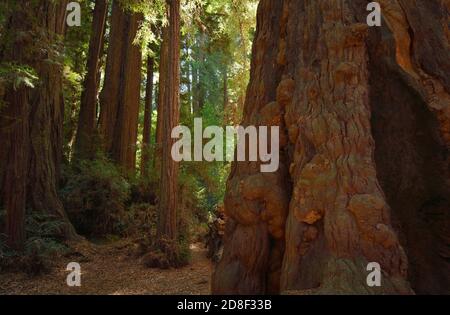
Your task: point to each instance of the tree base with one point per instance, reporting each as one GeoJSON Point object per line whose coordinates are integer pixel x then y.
{"type": "Point", "coordinates": [164, 254]}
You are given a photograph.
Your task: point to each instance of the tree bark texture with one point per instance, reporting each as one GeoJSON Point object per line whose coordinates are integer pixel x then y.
{"type": "Point", "coordinates": [87, 121]}
{"type": "Point", "coordinates": [364, 173]}
{"type": "Point", "coordinates": [36, 136]}
{"type": "Point", "coordinates": [167, 224]}
{"type": "Point", "coordinates": [121, 92]}
{"type": "Point", "coordinates": [162, 84]}
{"type": "Point", "coordinates": [147, 136]}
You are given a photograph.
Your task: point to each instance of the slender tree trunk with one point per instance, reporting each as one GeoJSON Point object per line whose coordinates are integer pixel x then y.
{"type": "Point", "coordinates": [352, 156]}
{"type": "Point", "coordinates": [121, 93]}
{"type": "Point", "coordinates": [164, 51]}
{"type": "Point", "coordinates": [88, 107]}
{"type": "Point", "coordinates": [146, 142]}
{"type": "Point", "coordinates": [110, 92]}
{"type": "Point", "coordinates": [167, 224]}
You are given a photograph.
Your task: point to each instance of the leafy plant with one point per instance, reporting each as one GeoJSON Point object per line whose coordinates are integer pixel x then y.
{"type": "Point", "coordinates": [95, 195]}
{"type": "Point", "coordinates": [17, 75]}
{"type": "Point", "coordinates": [41, 245]}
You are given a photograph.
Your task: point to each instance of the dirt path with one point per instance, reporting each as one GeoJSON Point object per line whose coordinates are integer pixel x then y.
{"type": "Point", "coordinates": [111, 270]}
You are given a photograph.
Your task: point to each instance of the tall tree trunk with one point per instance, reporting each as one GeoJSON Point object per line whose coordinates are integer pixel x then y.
{"type": "Point", "coordinates": [163, 60]}
{"type": "Point", "coordinates": [146, 142]}
{"type": "Point", "coordinates": [36, 139]}
{"type": "Point", "coordinates": [167, 224]}
{"type": "Point", "coordinates": [121, 93]}
{"type": "Point", "coordinates": [363, 114]}
{"type": "Point", "coordinates": [46, 121]}
{"type": "Point", "coordinates": [110, 92]}
{"type": "Point", "coordinates": [88, 107]}
{"type": "Point", "coordinates": [14, 134]}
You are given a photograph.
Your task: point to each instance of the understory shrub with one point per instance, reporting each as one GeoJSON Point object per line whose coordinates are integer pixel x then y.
{"type": "Point", "coordinates": [95, 195]}
{"type": "Point", "coordinates": [43, 243]}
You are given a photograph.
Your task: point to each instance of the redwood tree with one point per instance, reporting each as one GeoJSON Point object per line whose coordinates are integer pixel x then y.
{"type": "Point", "coordinates": [120, 96]}
{"type": "Point", "coordinates": [167, 236]}
{"type": "Point", "coordinates": [163, 59]}
{"type": "Point", "coordinates": [364, 177]}
{"type": "Point", "coordinates": [34, 116]}
{"type": "Point", "coordinates": [146, 141]}
{"type": "Point", "coordinates": [87, 121]}
{"type": "Point", "coordinates": [14, 134]}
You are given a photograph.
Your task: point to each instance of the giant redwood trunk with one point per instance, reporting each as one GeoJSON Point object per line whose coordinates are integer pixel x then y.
{"type": "Point", "coordinates": [87, 121]}
{"type": "Point", "coordinates": [14, 136]}
{"type": "Point", "coordinates": [121, 92]}
{"type": "Point", "coordinates": [364, 173]}
{"type": "Point", "coordinates": [167, 223]}
{"type": "Point", "coordinates": [35, 139]}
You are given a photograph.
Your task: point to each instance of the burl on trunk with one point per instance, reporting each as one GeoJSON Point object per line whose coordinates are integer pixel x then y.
{"type": "Point", "coordinates": [364, 177]}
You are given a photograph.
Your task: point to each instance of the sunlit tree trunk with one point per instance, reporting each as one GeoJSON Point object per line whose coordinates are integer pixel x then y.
{"type": "Point", "coordinates": [146, 141]}
{"type": "Point", "coordinates": [121, 93]}
{"type": "Point", "coordinates": [88, 108]}
{"type": "Point", "coordinates": [167, 223]}
{"type": "Point", "coordinates": [34, 141]}
{"type": "Point", "coordinates": [161, 106]}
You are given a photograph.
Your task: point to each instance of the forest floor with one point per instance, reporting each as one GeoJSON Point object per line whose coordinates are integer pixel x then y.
{"type": "Point", "coordinates": [112, 269]}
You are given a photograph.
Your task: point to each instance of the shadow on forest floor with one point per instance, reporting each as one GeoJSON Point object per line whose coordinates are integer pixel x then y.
{"type": "Point", "coordinates": [112, 269]}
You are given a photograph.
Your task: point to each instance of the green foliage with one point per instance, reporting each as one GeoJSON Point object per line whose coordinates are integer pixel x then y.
{"type": "Point", "coordinates": [95, 195]}
{"type": "Point", "coordinates": [72, 89]}
{"type": "Point", "coordinates": [17, 75]}
{"type": "Point", "coordinates": [76, 40]}
{"type": "Point", "coordinates": [42, 244]}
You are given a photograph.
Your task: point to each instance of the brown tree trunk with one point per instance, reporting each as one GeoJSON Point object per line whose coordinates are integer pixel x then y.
{"type": "Point", "coordinates": [46, 122]}
{"type": "Point", "coordinates": [110, 92]}
{"type": "Point", "coordinates": [36, 139]}
{"type": "Point", "coordinates": [14, 136]}
{"type": "Point", "coordinates": [167, 224]}
{"type": "Point", "coordinates": [163, 60]}
{"type": "Point", "coordinates": [121, 93]}
{"type": "Point", "coordinates": [146, 141]}
{"type": "Point", "coordinates": [88, 107]}
{"type": "Point", "coordinates": [336, 87]}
